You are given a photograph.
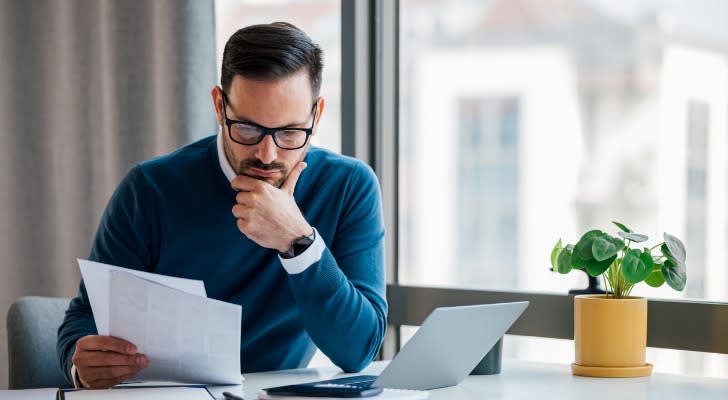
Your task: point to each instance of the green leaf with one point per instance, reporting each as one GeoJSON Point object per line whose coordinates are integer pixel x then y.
{"type": "Point", "coordinates": [621, 226]}
{"type": "Point", "coordinates": [577, 262]}
{"type": "Point", "coordinates": [603, 248]}
{"type": "Point", "coordinates": [570, 247]}
{"type": "Point", "coordinates": [555, 255]}
{"type": "Point", "coordinates": [646, 257]}
{"type": "Point", "coordinates": [674, 273]}
{"type": "Point", "coordinates": [655, 279]}
{"type": "Point", "coordinates": [636, 266]}
{"type": "Point", "coordinates": [635, 237]}
{"type": "Point", "coordinates": [602, 251]}
{"type": "Point", "coordinates": [616, 241]}
{"type": "Point", "coordinates": [675, 247]}
{"type": "Point", "coordinates": [596, 268]}
{"type": "Point", "coordinates": [582, 253]}
{"type": "Point", "coordinates": [563, 264]}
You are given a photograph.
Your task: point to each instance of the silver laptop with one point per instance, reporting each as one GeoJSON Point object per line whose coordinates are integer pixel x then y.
{"type": "Point", "coordinates": [448, 345]}
{"type": "Point", "coordinates": [445, 349]}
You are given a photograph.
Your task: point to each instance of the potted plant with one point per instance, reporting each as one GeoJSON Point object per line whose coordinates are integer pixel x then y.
{"type": "Point", "coordinates": [610, 330]}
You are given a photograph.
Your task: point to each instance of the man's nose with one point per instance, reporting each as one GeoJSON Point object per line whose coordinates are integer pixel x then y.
{"type": "Point", "coordinates": [266, 150]}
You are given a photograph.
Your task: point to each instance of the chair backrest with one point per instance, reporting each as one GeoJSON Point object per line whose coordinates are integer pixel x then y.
{"type": "Point", "coordinates": [32, 333]}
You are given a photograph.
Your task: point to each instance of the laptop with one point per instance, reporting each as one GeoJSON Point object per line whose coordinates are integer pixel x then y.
{"type": "Point", "coordinates": [446, 348]}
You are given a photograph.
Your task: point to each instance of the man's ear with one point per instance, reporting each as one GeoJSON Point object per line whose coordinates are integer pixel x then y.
{"type": "Point", "coordinates": [321, 105]}
{"type": "Point", "coordinates": [216, 94]}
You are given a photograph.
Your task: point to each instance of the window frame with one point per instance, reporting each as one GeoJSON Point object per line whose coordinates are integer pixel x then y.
{"type": "Point", "coordinates": [370, 132]}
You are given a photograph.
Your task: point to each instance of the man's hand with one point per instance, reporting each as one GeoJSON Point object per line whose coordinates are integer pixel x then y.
{"type": "Point", "coordinates": [268, 215]}
{"type": "Point", "coordinates": [104, 361]}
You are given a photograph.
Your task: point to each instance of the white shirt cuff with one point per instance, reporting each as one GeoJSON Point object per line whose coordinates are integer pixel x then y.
{"type": "Point", "coordinates": [310, 256]}
{"type": "Point", "coordinates": [74, 375]}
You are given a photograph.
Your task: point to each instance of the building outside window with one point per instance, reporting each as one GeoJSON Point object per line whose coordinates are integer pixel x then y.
{"type": "Point", "coordinates": [526, 121]}
{"type": "Point", "coordinates": [486, 182]}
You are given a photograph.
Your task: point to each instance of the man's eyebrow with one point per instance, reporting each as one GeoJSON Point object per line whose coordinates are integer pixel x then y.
{"type": "Point", "coordinates": [249, 121]}
{"type": "Point", "coordinates": [234, 117]}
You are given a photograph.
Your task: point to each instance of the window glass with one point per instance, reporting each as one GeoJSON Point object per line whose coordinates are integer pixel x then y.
{"type": "Point", "coordinates": [321, 20]}
{"type": "Point", "coordinates": [526, 121]}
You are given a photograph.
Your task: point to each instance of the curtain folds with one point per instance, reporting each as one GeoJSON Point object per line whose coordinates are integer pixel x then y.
{"type": "Point", "coordinates": [88, 88]}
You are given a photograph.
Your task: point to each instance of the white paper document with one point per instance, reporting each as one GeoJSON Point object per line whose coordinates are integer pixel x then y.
{"type": "Point", "coordinates": [170, 393]}
{"type": "Point", "coordinates": [185, 336]}
{"type": "Point", "coordinates": [29, 394]}
{"type": "Point", "coordinates": [96, 278]}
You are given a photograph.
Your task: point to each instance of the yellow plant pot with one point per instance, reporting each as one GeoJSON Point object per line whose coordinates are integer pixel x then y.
{"type": "Point", "coordinates": [610, 336]}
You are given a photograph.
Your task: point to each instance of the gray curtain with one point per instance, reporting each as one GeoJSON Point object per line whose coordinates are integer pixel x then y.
{"type": "Point", "coordinates": [88, 88]}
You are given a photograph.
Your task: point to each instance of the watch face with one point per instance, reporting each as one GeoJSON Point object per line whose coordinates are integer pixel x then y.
{"type": "Point", "coordinates": [304, 241]}
{"type": "Point", "coordinates": [300, 245]}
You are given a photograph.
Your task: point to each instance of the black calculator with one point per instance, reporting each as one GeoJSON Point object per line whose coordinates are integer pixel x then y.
{"type": "Point", "coordinates": [351, 386]}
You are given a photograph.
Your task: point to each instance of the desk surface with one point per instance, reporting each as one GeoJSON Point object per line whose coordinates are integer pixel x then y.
{"type": "Point", "coordinates": [524, 380]}
{"type": "Point", "coordinates": [518, 380]}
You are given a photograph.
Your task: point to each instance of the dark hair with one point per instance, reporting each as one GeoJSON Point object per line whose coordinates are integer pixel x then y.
{"type": "Point", "coordinates": [270, 52]}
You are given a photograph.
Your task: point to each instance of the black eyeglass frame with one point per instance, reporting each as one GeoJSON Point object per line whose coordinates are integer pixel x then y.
{"type": "Point", "coordinates": [265, 130]}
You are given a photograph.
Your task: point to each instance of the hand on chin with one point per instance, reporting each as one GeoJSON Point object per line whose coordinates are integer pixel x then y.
{"type": "Point", "coordinates": [274, 178]}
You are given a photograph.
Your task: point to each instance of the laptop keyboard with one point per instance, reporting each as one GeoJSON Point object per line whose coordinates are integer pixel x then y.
{"type": "Point", "coordinates": [354, 382]}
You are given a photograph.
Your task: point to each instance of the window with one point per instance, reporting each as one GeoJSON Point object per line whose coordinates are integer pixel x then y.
{"type": "Point", "coordinates": [321, 20]}
{"type": "Point", "coordinates": [696, 197]}
{"type": "Point", "coordinates": [525, 121]}
{"type": "Point", "coordinates": [486, 186]}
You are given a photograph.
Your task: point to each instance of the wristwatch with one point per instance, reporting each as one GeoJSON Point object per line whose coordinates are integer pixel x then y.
{"type": "Point", "coordinates": [299, 245]}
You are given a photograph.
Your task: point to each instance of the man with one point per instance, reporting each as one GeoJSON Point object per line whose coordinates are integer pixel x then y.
{"type": "Point", "coordinates": [293, 233]}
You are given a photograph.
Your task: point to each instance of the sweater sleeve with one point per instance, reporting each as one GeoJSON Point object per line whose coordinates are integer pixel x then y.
{"type": "Point", "coordinates": [123, 238]}
{"type": "Point", "coordinates": [341, 297]}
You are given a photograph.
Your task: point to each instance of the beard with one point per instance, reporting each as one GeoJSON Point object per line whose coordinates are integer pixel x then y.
{"type": "Point", "coordinates": [240, 167]}
{"type": "Point", "coordinates": [244, 165]}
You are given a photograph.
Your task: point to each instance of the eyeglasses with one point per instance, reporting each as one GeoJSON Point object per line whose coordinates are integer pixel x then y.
{"type": "Point", "coordinates": [250, 134]}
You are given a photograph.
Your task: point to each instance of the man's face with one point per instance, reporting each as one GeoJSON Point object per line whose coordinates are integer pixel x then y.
{"type": "Point", "coordinates": [274, 104]}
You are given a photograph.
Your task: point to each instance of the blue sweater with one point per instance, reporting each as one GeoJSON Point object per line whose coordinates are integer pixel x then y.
{"type": "Point", "coordinates": [172, 216]}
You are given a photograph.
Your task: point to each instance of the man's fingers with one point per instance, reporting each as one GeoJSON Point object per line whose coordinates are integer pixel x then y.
{"type": "Point", "coordinates": [109, 343]}
{"type": "Point", "coordinates": [107, 383]}
{"type": "Point", "coordinates": [247, 198]}
{"type": "Point", "coordinates": [92, 374]}
{"type": "Point", "coordinates": [105, 358]}
{"type": "Point", "coordinates": [242, 225]}
{"type": "Point", "coordinates": [243, 183]}
{"type": "Point", "coordinates": [101, 384]}
{"type": "Point", "coordinates": [107, 376]}
{"type": "Point", "coordinates": [241, 211]}
{"type": "Point", "coordinates": [290, 184]}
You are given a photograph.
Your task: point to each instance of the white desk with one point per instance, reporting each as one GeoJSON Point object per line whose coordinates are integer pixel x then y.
{"type": "Point", "coordinates": [517, 380]}
{"type": "Point", "coordinates": [525, 380]}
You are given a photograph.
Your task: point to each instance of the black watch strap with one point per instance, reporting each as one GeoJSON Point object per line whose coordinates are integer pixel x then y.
{"type": "Point", "coordinates": [299, 245]}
